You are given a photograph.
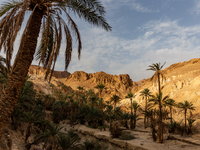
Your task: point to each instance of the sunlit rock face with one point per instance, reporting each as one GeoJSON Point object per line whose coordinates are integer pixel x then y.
{"type": "Point", "coordinates": [114, 84]}
{"type": "Point", "coordinates": [40, 71]}
{"type": "Point", "coordinates": [181, 82]}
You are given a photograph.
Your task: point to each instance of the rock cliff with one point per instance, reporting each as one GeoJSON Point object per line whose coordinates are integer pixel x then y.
{"type": "Point", "coordinates": [40, 71]}
{"type": "Point", "coordinates": [181, 82]}
{"type": "Point", "coordinates": [115, 84]}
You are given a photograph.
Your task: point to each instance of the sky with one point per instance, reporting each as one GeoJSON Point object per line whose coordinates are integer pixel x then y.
{"type": "Point", "coordinates": [143, 32]}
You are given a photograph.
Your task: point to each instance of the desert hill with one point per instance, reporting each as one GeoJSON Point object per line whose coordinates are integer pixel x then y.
{"type": "Point", "coordinates": [181, 82]}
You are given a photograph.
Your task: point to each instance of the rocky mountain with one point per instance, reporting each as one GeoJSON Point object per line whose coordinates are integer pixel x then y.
{"type": "Point", "coordinates": [40, 71]}
{"type": "Point", "coordinates": [114, 84]}
{"type": "Point", "coordinates": [181, 82]}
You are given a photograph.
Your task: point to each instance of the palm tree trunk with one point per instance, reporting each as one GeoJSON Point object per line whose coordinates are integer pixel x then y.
{"type": "Point", "coordinates": [18, 76]}
{"type": "Point", "coordinates": [160, 126]}
{"type": "Point", "coordinates": [185, 120]}
{"type": "Point", "coordinates": [134, 125]}
{"type": "Point", "coordinates": [145, 111]}
{"type": "Point", "coordinates": [131, 123]}
{"type": "Point", "coordinates": [159, 89]}
{"type": "Point", "coordinates": [171, 114]}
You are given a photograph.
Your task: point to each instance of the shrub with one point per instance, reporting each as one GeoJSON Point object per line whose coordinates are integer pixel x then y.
{"type": "Point", "coordinates": [126, 136]}
{"type": "Point", "coordinates": [115, 129]}
{"type": "Point", "coordinates": [94, 145]}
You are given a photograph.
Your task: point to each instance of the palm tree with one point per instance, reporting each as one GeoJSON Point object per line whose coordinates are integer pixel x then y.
{"type": "Point", "coordinates": [157, 68]}
{"type": "Point", "coordinates": [126, 117]}
{"type": "Point", "coordinates": [69, 141]}
{"type": "Point", "coordinates": [145, 93]}
{"type": "Point", "coordinates": [170, 103]}
{"type": "Point", "coordinates": [131, 96]}
{"type": "Point", "coordinates": [30, 118]}
{"type": "Point", "coordinates": [4, 74]}
{"type": "Point", "coordinates": [50, 137]}
{"type": "Point", "coordinates": [109, 112]}
{"type": "Point", "coordinates": [115, 99]}
{"type": "Point", "coordinates": [45, 14]}
{"type": "Point", "coordinates": [149, 114]}
{"type": "Point", "coordinates": [135, 107]}
{"type": "Point", "coordinates": [158, 100]}
{"type": "Point", "coordinates": [100, 87]}
{"type": "Point", "coordinates": [185, 106]}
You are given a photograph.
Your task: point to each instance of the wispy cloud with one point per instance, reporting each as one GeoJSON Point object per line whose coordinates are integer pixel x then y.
{"type": "Point", "coordinates": [160, 41]}
{"type": "Point", "coordinates": [140, 8]}
{"type": "Point", "coordinates": [116, 4]}
{"type": "Point", "coordinates": [196, 8]}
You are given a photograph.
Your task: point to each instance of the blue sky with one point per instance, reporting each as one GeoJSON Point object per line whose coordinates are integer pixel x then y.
{"type": "Point", "coordinates": [144, 32]}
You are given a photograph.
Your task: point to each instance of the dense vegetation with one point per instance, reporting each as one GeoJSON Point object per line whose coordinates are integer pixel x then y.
{"type": "Point", "coordinates": [41, 114]}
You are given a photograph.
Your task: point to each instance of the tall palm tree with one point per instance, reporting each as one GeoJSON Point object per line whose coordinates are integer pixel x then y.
{"type": "Point", "coordinates": [145, 93]}
{"type": "Point", "coordinates": [131, 96]}
{"type": "Point", "coordinates": [149, 113]}
{"type": "Point", "coordinates": [3, 74]}
{"type": "Point", "coordinates": [158, 100]}
{"type": "Point", "coordinates": [157, 68]}
{"type": "Point", "coordinates": [100, 87]}
{"type": "Point", "coordinates": [135, 107]}
{"type": "Point", "coordinates": [170, 103]}
{"type": "Point", "coordinates": [185, 106]}
{"type": "Point", "coordinates": [30, 118]}
{"type": "Point", "coordinates": [115, 99]}
{"type": "Point", "coordinates": [45, 14]}
{"type": "Point", "coordinates": [50, 137]}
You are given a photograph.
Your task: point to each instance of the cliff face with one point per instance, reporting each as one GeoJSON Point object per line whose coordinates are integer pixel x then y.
{"type": "Point", "coordinates": [181, 82]}
{"type": "Point", "coordinates": [119, 85]}
{"type": "Point", "coordinates": [40, 71]}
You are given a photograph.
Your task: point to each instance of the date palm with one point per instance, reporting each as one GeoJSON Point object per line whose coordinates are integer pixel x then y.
{"type": "Point", "coordinates": [160, 101]}
{"type": "Point", "coordinates": [170, 103]}
{"type": "Point", "coordinates": [50, 137]}
{"type": "Point", "coordinates": [131, 96]}
{"type": "Point", "coordinates": [158, 74]}
{"type": "Point", "coordinates": [135, 107]}
{"type": "Point", "coordinates": [100, 87]}
{"type": "Point", "coordinates": [3, 74]}
{"type": "Point", "coordinates": [145, 93]}
{"type": "Point", "coordinates": [185, 106]}
{"type": "Point", "coordinates": [115, 99]}
{"type": "Point", "coordinates": [46, 18]}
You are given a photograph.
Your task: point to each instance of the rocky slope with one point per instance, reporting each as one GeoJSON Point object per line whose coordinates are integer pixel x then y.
{"type": "Point", "coordinates": [40, 71]}
{"type": "Point", "coordinates": [181, 82]}
{"type": "Point", "coordinates": [114, 84]}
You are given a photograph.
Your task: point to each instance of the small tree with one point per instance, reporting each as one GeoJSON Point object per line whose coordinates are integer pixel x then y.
{"type": "Point", "coordinates": [135, 107]}
{"type": "Point", "coordinates": [158, 100]}
{"type": "Point", "coordinates": [100, 87]}
{"type": "Point", "coordinates": [170, 103]}
{"type": "Point", "coordinates": [145, 93]}
{"type": "Point", "coordinates": [115, 99]}
{"type": "Point", "coordinates": [185, 106]}
{"type": "Point", "coordinates": [131, 96]}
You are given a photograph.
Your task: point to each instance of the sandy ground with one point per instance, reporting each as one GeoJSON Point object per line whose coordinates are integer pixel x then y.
{"type": "Point", "coordinates": [142, 140]}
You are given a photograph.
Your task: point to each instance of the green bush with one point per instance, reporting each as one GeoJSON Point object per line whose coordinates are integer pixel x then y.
{"type": "Point", "coordinates": [115, 129]}
{"type": "Point", "coordinates": [94, 145]}
{"type": "Point", "coordinates": [126, 136]}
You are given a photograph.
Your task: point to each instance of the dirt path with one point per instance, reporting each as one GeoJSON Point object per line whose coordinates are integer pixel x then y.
{"type": "Point", "coordinates": [143, 140]}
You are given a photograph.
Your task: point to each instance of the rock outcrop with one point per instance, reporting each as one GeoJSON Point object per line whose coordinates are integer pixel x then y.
{"type": "Point", "coordinates": [115, 84]}
{"type": "Point", "coordinates": [40, 71]}
{"type": "Point", "coordinates": [181, 82]}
